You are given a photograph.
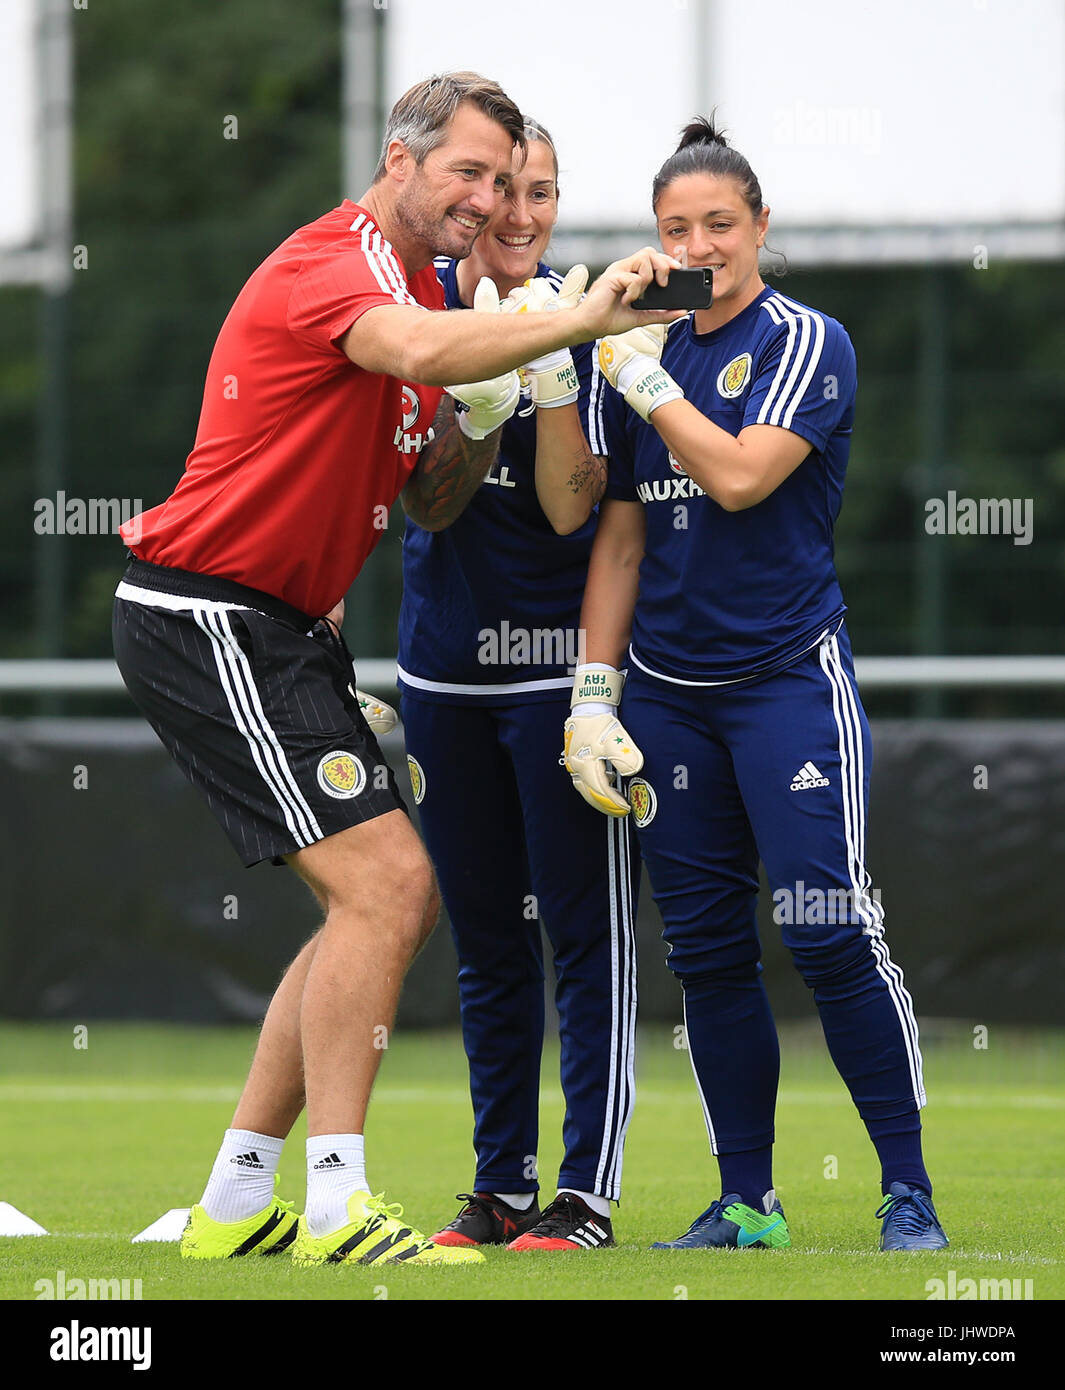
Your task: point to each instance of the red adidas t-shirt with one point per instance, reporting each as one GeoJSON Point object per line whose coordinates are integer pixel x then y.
{"type": "Point", "coordinates": [299, 453]}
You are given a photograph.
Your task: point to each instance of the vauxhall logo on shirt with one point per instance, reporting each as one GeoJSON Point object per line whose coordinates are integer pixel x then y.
{"type": "Point", "coordinates": [668, 489]}
{"type": "Point", "coordinates": [403, 439]}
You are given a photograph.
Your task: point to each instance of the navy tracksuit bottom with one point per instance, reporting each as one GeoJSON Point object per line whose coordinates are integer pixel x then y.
{"type": "Point", "coordinates": [776, 770]}
{"type": "Point", "coordinates": [512, 842]}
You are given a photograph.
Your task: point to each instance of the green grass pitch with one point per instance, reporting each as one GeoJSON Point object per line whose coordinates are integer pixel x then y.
{"type": "Point", "coordinates": [99, 1141]}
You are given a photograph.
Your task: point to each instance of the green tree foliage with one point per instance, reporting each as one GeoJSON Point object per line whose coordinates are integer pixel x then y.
{"type": "Point", "coordinates": [174, 216]}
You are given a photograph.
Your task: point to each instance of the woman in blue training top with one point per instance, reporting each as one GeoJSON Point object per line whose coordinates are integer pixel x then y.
{"type": "Point", "coordinates": [712, 575]}
{"type": "Point", "coordinates": [487, 645]}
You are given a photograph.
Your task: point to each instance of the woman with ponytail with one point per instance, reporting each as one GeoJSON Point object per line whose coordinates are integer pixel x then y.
{"type": "Point", "coordinates": [712, 578]}
{"type": "Point", "coordinates": [487, 633]}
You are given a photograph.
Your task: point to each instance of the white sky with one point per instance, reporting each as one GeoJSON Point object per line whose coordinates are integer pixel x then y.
{"type": "Point", "coordinates": [851, 112]}
{"type": "Point", "coordinates": [18, 210]}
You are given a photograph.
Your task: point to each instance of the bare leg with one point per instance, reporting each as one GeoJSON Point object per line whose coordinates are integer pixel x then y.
{"type": "Point", "coordinates": [381, 899]}
{"type": "Point", "coordinates": [376, 887]}
{"type": "Point", "coordinates": [273, 1093]}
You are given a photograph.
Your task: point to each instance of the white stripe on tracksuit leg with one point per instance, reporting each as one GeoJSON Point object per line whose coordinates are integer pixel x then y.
{"type": "Point", "coordinates": [852, 777]}
{"type": "Point", "coordinates": [605, 1154]}
{"type": "Point", "coordinates": [698, 1084]}
{"type": "Point", "coordinates": [625, 833]}
{"type": "Point", "coordinates": [262, 741]}
{"type": "Point", "coordinates": [879, 945]}
{"type": "Point", "coordinates": [620, 1085]}
{"type": "Point", "coordinates": [612, 1081]}
{"type": "Point", "coordinates": [627, 1061]}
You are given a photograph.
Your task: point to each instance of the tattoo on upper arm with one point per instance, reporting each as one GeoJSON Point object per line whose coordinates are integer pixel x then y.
{"type": "Point", "coordinates": [448, 472]}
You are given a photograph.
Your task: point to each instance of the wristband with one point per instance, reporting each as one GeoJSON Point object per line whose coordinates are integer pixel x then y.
{"type": "Point", "coordinates": [596, 684]}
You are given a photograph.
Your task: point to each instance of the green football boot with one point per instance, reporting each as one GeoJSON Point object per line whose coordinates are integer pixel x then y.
{"type": "Point", "coordinates": [728, 1224]}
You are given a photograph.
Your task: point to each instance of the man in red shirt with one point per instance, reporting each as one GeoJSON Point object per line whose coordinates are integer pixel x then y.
{"type": "Point", "coordinates": [324, 400]}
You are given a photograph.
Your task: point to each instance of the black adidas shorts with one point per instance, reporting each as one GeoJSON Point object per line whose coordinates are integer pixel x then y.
{"type": "Point", "coordinates": [255, 702]}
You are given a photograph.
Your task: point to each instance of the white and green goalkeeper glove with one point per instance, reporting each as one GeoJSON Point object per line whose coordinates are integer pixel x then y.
{"type": "Point", "coordinates": [381, 718]}
{"type": "Point", "coordinates": [595, 744]}
{"type": "Point", "coordinates": [551, 379]}
{"type": "Point", "coordinates": [631, 362]}
{"type": "Point", "coordinates": [488, 404]}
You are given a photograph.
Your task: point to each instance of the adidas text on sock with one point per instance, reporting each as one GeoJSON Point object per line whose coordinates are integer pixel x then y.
{"type": "Point", "coordinates": [336, 1167]}
{"type": "Point", "coordinates": [242, 1179]}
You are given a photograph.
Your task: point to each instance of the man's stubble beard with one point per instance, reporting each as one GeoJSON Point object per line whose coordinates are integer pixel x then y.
{"type": "Point", "coordinates": [421, 226]}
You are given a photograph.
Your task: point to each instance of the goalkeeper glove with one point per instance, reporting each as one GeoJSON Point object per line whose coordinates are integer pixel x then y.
{"type": "Point", "coordinates": [631, 362]}
{"type": "Point", "coordinates": [486, 404]}
{"type": "Point", "coordinates": [595, 745]}
{"type": "Point", "coordinates": [380, 717]}
{"type": "Point", "coordinates": [551, 379]}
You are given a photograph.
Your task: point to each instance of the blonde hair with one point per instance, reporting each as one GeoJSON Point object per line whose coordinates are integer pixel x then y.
{"type": "Point", "coordinates": [535, 131]}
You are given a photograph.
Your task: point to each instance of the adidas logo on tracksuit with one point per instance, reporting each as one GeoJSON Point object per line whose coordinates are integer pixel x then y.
{"type": "Point", "coordinates": [330, 1161]}
{"type": "Point", "coordinates": [248, 1160]}
{"type": "Point", "coordinates": [807, 777]}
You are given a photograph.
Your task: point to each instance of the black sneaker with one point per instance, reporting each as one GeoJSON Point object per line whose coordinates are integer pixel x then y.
{"type": "Point", "coordinates": [485, 1220]}
{"type": "Point", "coordinates": [567, 1223]}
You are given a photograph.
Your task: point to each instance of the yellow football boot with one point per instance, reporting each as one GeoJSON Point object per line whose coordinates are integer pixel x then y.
{"type": "Point", "coordinates": [376, 1235]}
{"type": "Point", "coordinates": [269, 1232]}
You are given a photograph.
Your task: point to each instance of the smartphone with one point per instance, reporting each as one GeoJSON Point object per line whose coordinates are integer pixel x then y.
{"type": "Point", "coordinates": [685, 289]}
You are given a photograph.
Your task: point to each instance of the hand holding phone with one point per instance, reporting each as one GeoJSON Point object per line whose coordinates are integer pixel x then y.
{"type": "Point", "coordinates": [685, 289]}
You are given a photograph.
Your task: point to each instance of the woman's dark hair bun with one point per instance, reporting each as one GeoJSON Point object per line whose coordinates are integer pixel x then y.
{"type": "Point", "coordinates": [701, 131]}
{"type": "Point", "coordinates": [703, 149]}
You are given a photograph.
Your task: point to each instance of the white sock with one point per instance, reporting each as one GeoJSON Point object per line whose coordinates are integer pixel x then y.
{"type": "Point", "coordinates": [336, 1167]}
{"type": "Point", "coordinates": [599, 1205]}
{"type": "Point", "coordinates": [522, 1201]}
{"type": "Point", "coordinates": [242, 1179]}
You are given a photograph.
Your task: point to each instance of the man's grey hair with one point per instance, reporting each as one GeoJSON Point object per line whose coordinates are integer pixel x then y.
{"type": "Point", "coordinates": [420, 118]}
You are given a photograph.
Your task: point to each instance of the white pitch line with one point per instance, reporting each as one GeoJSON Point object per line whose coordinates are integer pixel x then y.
{"type": "Point", "coordinates": [93, 1235]}
{"type": "Point", "coordinates": [955, 1253]}
{"type": "Point", "coordinates": [50, 1093]}
{"type": "Point", "coordinates": [95, 1092]}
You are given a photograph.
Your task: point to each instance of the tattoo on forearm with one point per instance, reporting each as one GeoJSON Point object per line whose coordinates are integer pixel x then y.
{"type": "Point", "coordinates": [449, 471]}
{"type": "Point", "coordinates": [590, 474]}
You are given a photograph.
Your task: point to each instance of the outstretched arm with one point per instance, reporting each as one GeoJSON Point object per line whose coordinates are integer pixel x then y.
{"type": "Point", "coordinates": [437, 349]}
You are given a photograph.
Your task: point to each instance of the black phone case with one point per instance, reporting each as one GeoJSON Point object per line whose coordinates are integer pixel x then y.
{"type": "Point", "coordinates": [685, 289]}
